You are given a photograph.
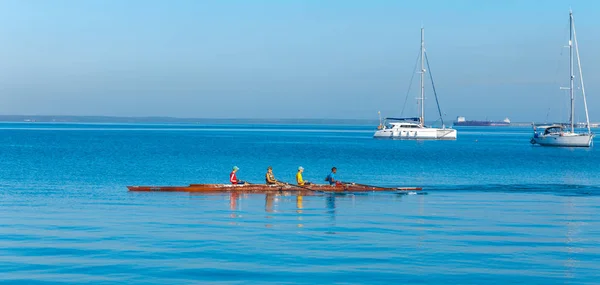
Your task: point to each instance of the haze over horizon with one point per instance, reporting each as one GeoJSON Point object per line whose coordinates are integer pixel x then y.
{"type": "Point", "coordinates": [293, 59]}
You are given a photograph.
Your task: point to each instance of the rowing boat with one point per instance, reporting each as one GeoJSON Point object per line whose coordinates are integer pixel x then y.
{"type": "Point", "coordinates": [263, 188]}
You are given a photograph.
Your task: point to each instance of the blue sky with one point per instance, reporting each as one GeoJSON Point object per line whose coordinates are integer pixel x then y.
{"type": "Point", "coordinates": [291, 59]}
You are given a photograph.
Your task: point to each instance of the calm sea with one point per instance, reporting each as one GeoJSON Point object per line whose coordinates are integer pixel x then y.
{"type": "Point", "coordinates": [496, 210]}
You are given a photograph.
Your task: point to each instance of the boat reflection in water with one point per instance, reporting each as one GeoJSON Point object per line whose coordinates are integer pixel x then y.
{"type": "Point", "coordinates": [299, 204]}
{"type": "Point", "coordinates": [330, 204]}
{"type": "Point", "coordinates": [233, 197]}
{"type": "Point", "coordinates": [299, 208]}
{"type": "Point", "coordinates": [284, 208]}
{"type": "Point", "coordinates": [269, 199]}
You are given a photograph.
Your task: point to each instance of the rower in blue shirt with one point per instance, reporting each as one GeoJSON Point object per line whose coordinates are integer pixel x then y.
{"type": "Point", "coordinates": [331, 177]}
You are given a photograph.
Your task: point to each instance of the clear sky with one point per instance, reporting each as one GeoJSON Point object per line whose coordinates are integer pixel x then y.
{"type": "Point", "coordinates": [292, 59]}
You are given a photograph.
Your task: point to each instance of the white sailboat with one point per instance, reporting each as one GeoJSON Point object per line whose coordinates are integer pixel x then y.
{"type": "Point", "coordinates": [414, 128]}
{"type": "Point", "coordinates": [559, 134]}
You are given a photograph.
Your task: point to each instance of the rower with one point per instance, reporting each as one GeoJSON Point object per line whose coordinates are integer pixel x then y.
{"type": "Point", "coordinates": [331, 177]}
{"type": "Point", "coordinates": [269, 177]}
{"type": "Point", "coordinates": [299, 179]}
{"type": "Point", "coordinates": [233, 178]}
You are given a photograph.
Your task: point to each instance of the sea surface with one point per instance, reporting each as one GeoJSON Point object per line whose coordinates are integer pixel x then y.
{"type": "Point", "coordinates": [494, 209]}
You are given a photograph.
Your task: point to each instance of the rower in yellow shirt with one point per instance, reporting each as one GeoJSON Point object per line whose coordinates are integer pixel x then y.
{"type": "Point", "coordinates": [299, 179]}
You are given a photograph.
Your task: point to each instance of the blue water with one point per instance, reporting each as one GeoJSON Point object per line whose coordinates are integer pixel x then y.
{"type": "Point", "coordinates": [496, 211]}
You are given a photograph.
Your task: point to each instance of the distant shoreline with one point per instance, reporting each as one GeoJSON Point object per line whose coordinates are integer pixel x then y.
{"type": "Point", "coordinates": [158, 120]}
{"type": "Point", "coordinates": [174, 120]}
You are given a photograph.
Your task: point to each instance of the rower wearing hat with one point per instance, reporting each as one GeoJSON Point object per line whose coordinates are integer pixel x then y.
{"type": "Point", "coordinates": [299, 179]}
{"type": "Point", "coordinates": [233, 178]}
{"type": "Point", "coordinates": [270, 178]}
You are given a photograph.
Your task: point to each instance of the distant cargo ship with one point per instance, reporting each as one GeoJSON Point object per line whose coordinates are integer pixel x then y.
{"type": "Point", "coordinates": [461, 121]}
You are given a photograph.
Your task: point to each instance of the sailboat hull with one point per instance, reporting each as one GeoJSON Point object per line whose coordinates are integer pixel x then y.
{"type": "Point", "coordinates": [416, 134]}
{"type": "Point", "coordinates": [564, 140]}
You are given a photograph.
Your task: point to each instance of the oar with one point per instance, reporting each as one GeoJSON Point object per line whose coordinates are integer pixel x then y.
{"type": "Point", "coordinates": [390, 188]}
{"type": "Point", "coordinates": [299, 186]}
{"type": "Point", "coordinates": [365, 185]}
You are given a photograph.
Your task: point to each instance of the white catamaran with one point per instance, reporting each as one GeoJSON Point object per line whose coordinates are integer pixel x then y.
{"type": "Point", "coordinates": [558, 134]}
{"type": "Point", "coordinates": [414, 128]}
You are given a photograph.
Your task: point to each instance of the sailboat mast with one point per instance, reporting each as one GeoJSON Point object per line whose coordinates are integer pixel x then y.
{"type": "Point", "coordinates": [571, 71]}
{"type": "Point", "coordinates": [587, 116]}
{"type": "Point", "coordinates": [422, 77]}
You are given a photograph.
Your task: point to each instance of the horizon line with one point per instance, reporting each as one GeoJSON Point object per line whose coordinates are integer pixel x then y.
{"type": "Point", "coordinates": [170, 119]}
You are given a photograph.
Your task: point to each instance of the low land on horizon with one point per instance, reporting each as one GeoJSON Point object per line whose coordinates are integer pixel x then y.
{"type": "Point", "coordinates": [158, 119]}
{"type": "Point", "coordinates": [175, 120]}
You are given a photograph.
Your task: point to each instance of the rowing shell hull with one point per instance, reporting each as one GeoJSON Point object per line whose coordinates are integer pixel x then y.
{"type": "Point", "coordinates": [262, 188]}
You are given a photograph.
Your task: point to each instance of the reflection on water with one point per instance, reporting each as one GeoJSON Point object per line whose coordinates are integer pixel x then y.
{"type": "Point", "coordinates": [496, 229]}
{"type": "Point", "coordinates": [286, 203]}
{"type": "Point", "coordinates": [299, 207]}
{"type": "Point", "coordinates": [473, 235]}
{"type": "Point", "coordinates": [273, 201]}
{"type": "Point", "coordinates": [233, 197]}
{"type": "Point", "coordinates": [330, 203]}
{"type": "Point", "coordinates": [233, 204]}
{"type": "Point", "coordinates": [299, 204]}
{"type": "Point", "coordinates": [571, 237]}
{"type": "Point", "coordinates": [330, 206]}
{"type": "Point", "coordinates": [269, 199]}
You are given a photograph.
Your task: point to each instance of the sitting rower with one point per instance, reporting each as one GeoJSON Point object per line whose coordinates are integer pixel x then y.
{"type": "Point", "coordinates": [299, 179]}
{"type": "Point", "coordinates": [331, 178]}
{"type": "Point", "coordinates": [270, 178]}
{"type": "Point", "coordinates": [233, 178]}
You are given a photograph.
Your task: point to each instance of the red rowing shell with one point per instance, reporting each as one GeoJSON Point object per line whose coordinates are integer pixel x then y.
{"type": "Point", "coordinates": [262, 188]}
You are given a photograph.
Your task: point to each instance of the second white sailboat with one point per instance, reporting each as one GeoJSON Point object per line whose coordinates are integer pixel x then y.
{"type": "Point", "coordinates": [558, 134]}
